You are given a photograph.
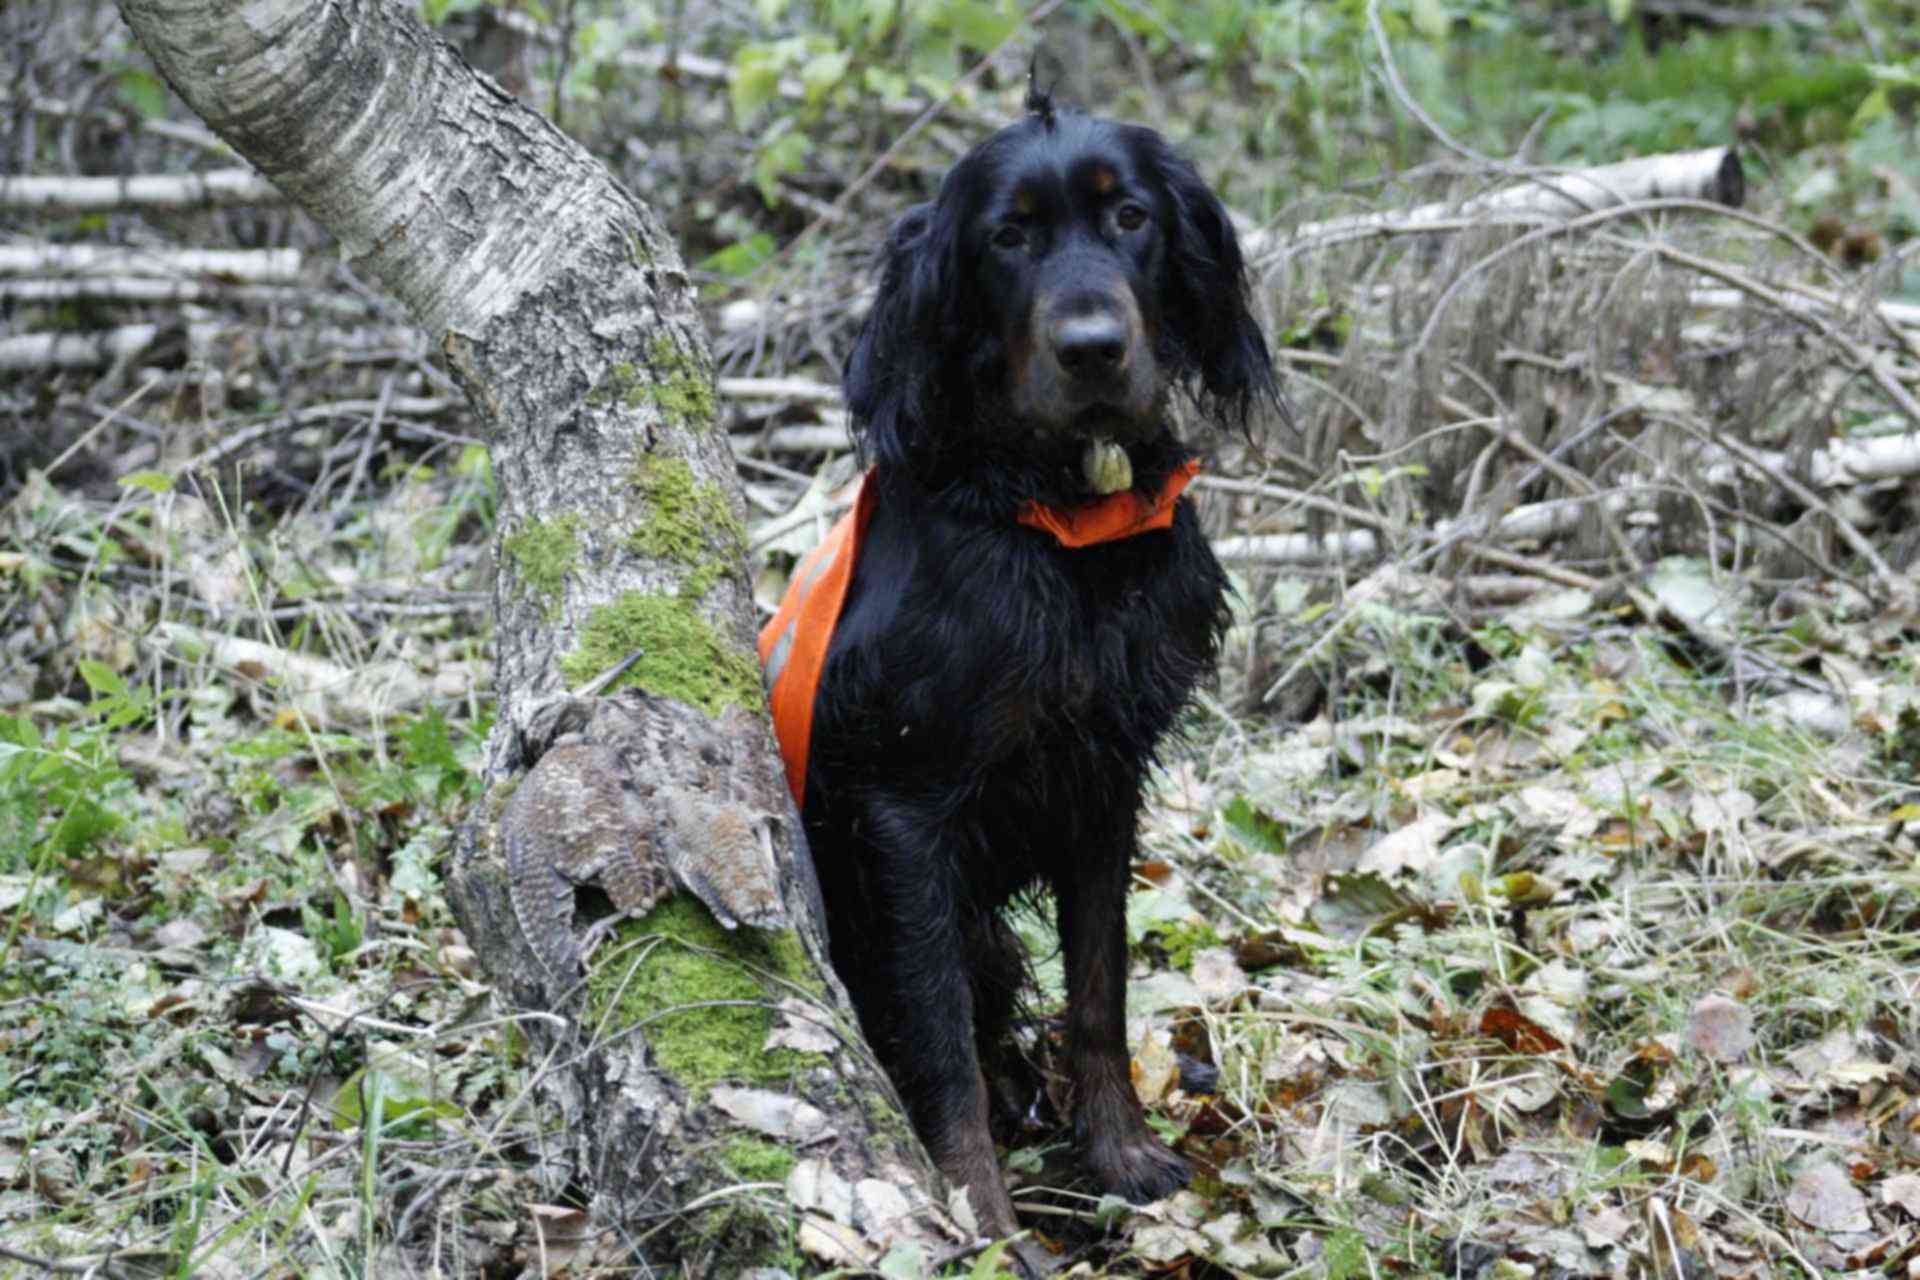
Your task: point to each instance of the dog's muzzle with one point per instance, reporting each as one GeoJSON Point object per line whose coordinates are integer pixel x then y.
{"type": "Point", "coordinates": [1091, 372]}
{"type": "Point", "coordinates": [1090, 346]}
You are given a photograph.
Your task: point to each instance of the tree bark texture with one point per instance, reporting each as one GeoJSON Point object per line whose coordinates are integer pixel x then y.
{"type": "Point", "coordinates": [716, 1106]}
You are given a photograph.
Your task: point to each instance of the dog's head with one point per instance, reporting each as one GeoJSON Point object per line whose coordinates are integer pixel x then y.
{"type": "Point", "coordinates": [1071, 272]}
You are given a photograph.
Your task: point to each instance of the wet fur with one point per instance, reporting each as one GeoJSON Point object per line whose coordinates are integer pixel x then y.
{"type": "Point", "coordinates": [992, 702]}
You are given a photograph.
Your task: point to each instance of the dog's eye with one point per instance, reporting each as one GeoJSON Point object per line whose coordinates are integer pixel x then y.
{"type": "Point", "coordinates": [1009, 237]}
{"type": "Point", "coordinates": [1131, 217]}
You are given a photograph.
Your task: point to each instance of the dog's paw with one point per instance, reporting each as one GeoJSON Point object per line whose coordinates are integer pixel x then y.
{"type": "Point", "coordinates": [1136, 1166]}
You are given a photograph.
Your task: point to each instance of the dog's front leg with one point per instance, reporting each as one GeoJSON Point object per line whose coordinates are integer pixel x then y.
{"type": "Point", "coordinates": [1122, 1152]}
{"type": "Point", "coordinates": [927, 1036]}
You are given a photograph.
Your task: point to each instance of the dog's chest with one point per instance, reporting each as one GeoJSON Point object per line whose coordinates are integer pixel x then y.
{"type": "Point", "coordinates": [1050, 650]}
{"type": "Point", "coordinates": [962, 652]}
{"type": "Point", "coordinates": [1075, 665]}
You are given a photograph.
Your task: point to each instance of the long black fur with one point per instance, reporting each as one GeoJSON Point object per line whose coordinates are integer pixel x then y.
{"type": "Point", "coordinates": [992, 701]}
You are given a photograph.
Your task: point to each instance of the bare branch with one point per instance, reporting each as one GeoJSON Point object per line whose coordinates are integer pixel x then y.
{"type": "Point", "coordinates": [1713, 175]}
{"type": "Point", "coordinates": [256, 265]}
{"type": "Point", "coordinates": [218, 189]}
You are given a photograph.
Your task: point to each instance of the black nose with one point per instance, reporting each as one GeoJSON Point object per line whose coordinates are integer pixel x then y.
{"type": "Point", "coordinates": [1091, 344]}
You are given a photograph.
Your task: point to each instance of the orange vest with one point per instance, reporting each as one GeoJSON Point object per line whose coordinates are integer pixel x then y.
{"type": "Point", "coordinates": [793, 646]}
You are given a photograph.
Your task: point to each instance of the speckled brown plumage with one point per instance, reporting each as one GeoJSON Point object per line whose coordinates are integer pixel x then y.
{"type": "Point", "coordinates": [637, 796]}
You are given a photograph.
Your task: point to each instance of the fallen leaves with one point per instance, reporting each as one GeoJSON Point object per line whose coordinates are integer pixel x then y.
{"type": "Point", "coordinates": [1720, 1028]}
{"type": "Point", "coordinates": [1824, 1198]}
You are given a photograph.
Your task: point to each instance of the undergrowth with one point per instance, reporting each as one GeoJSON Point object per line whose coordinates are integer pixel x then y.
{"type": "Point", "coordinates": [1569, 932]}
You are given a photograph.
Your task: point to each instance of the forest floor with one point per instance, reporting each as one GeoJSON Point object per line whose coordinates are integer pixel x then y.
{"type": "Point", "coordinates": [1543, 906]}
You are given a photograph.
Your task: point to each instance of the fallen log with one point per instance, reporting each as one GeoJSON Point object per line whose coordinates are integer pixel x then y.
{"type": "Point", "coordinates": [1714, 174]}
{"type": "Point", "coordinates": [220, 188]}
{"type": "Point", "coordinates": [256, 266]}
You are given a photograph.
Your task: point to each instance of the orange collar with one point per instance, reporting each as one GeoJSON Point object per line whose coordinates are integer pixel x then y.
{"type": "Point", "coordinates": [1116, 516]}
{"type": "Point", "coordinates": [793, 646]}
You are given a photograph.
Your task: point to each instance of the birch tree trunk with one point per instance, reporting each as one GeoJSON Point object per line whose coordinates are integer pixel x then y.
{"type": "Point", "coordinates": [716, 1107]}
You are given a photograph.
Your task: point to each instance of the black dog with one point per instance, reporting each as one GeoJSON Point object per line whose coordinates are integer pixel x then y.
{"type": "Point", "coordinates": [1027, 606]}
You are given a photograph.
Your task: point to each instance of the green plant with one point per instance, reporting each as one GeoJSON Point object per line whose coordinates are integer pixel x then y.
{"type": "Point", "coordinates": [340, 933]}
{"type": "Point", "coordinates": [57, 785]}
{"type": "Point", "coordinates": [845, 55]}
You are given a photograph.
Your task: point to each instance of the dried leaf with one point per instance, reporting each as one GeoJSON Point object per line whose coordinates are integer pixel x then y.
{"type": "Point", "coordinates": [1411, 847]}
{"type": "Point", "coordinates": [1242, 1249]}
{"type": "Point", "coordinates": [1604, 1227]}
{"type": "Point", "coordinates": [1859, 1072]}
{"type": "Point", "coordinates": [1355, 905]}
{"type": "Point", "coordinates": [1825, 1199]}
{"type": "Point", "coordinates": [834, 1244]}
{"type": "Point", "coordinates": [1552, 998]}
{"type": "Point", "coordinates": [1217, 975]}
{"type": "Point", "coordinates": [561, 1231]}
{"type": "Point", "coordinates": [816, 1185]}
{"type": "Point", "coordinates": [1690, 590]}
{"type": "Point", "coordinates": [1155, 1069]}
{"type": "Point", "coordinates": [1902, 1189]}
{"type": "Point", "coordinates": [775, 1114]}
{"type": "Point", "coordinates": [799, 1027]}
{"type": "Point", "coordinates": [1720, 1028]}
{"type": "Point", "coordinates": [1719, 811]}
{"type": "Point", "coordinates": [877, 1205]}
{"type": "Point", "coordinates": [1162, 1242]}
{"type": "Point", "coordinates": [1518, 1032]}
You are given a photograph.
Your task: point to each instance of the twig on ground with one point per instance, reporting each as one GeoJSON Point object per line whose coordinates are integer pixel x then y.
{"type": "Point", "coordinates": [1861, 359]}
{"type": "Point", "coordinates": [239, 440]}
{"type": "Point", "coordinates": [1895, 585]}
{"type": "Point", "coordinates": [256, 266]}
{"type": "Point", "coordinates": [175, 292]}
{"type": "Point", "coordinates": [219, 188]}
{"type": "Point", "coordinates": [1713, 175]}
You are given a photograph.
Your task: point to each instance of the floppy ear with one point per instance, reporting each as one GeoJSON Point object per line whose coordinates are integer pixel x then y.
{"type": "Point", "coordinates": [893, 377]}
{"type": "Point", "coordinates": [1207, 287]}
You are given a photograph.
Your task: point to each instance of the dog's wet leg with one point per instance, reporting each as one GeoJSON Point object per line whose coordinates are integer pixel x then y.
{"type": "Point", "coordinates": [926, 1019]}
{"type": "Point", "coordinates": [1124, 1155]}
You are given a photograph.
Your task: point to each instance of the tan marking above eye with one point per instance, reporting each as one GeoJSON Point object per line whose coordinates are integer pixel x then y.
{"type": "Point", "coordinates": [1023, 202]}
{"type": "Point", "coordinates": [1104, 179]}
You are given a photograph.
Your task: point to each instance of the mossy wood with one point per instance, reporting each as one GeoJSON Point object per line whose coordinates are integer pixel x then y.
{"type": "Point", "coordinates": [711, 1104]}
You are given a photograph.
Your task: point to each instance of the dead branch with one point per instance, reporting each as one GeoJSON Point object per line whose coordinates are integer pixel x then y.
{"type": "Point", "coordinates": [1857, 355]}
{"type": "Point", "coordinates": [136, 290]}
{"type": "Point", "coordinates": [801, 390]}
{"type": "Point", "coordinates": [1713, 175]}
{"type": "Point", "coordinates": [172, 130]}
{"type": "Point", "coordinates": [412, 406]}
{"type": "Point", "coordinates": [217, 189]}
{"type": "Point", "coordinates": [826, 437]}
{"type": "Point", "coordinates": [94, 350]}
{"type": "Point", "coordinates": [257, 266]}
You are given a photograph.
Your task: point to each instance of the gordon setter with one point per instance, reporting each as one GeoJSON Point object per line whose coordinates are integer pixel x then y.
{"type": "Point", "coordinates": [1019, 606]}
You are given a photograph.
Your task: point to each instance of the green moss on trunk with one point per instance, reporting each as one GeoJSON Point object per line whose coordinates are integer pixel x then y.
{"type": "Point", "coordinates": [753, 1160]}
{"type": "Point", "coordinates": [543, 553]}
{"type": "Point", "coordinates": [692, 986]}
{"type": "Point", "coordinates": [687, 522]}
{"type": "Point", "coordinates": [621, 385]}
{"type": "Point", "coordinates": [682, 655]}
{"type": "Point", "coordinates": [683, 386]}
